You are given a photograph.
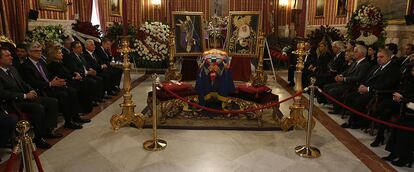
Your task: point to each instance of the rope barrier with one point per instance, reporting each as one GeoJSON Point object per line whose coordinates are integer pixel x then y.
{"type": "Point", "coordinates": [37, 160]}
{"type": "Point", "coordinates": [364, 115]}
{"type": "Point", "coordinates": [230, 111]}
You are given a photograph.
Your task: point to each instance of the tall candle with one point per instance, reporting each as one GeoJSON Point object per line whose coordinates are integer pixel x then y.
{"type": "Point", "coordinates": [124, 17]}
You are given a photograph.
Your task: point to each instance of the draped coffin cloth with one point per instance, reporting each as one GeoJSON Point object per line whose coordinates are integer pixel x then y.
{"type": "Point", "coordinates": [240, 68]}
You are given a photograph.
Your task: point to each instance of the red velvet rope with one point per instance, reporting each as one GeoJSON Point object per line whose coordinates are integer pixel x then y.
{"type": "Point", "coordinates": [366, 116]}
{"type": "Point", "coordinates": [230, 111]}
{"type": "Point", "coordinates": [37, 160]}
{"type": "Point", "coordinates": [10, 163]}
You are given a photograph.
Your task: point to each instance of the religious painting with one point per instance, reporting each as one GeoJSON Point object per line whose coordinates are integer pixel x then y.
{"type": "Point", "coordinates": [320, 8]}
{"type": "Point", "coordinates": [188, 30]}
{"type": "Point", "coordinates": [242, 32]}
{"type": "Point", "coordinates": [394, 11]}
{"type": "Point", "coordinates": [55, 5]}
{"type": "Point", "coordinates": [341, 8]}
{"type": "Point", "coordinates": [116, 7]}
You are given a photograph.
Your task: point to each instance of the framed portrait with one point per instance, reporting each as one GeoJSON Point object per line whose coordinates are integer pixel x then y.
{"type": "Point", "coordinates": [242, 32]}
{"type": "Point", "coordinates": [55, 5]}
{"type": "Point", "coordinates": [394, 11]}
{"type": "Point", "coordinates": [341, 8]}
{"type": "Point", "coordinates": [188, 31]}
{"type": "Point", "coordinates": [320, 8]}
{"type": "Point", "coordinates": [116, 7]}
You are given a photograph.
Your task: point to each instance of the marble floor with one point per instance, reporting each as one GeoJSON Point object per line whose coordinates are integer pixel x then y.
{"type": "Point", "coordinates": [98, 148]}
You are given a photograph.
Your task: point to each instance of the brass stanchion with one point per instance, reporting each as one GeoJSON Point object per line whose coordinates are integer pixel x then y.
{"type": "Point", "coordinates": [296, 118]}
{"type": "Point", "coordinates": [306, 150]}
{"type": "Point", "coordinates": [172, 73]}
{"type": "Point", "coordinates": [128, 115]}
{"type": "Point", "coordinates": [259, 78]}
{"type": "Point", "coordinates": [154, 144]}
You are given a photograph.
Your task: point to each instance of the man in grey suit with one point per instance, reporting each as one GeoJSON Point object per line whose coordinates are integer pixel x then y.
{"type": "Point", "coordinates": [42, 110]}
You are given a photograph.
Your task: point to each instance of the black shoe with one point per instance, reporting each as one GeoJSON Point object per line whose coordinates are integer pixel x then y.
{"type": "Point", "coordinates": [346, 125]}
{"type": "Point", "coordinates": [333, 112]}
{"type": "Point", "coordinates": [100, 100]}
{"type": "Point", "coordinates": [403, 162]}
{"type": "Point", "coordinates": [112, 93]}
{"type": "Point", "coordinates": [72, 125]}
{"type": "Point", "coordinates": [377, 142]}
{"type": "Point", "coordinates": [41, 143]}
{"type": "Point", "coordinates": [80, 120]}
{"type": "Point", "coordinates": [94, 103]}
{"type": "Point", "coordinates": [53, 135]}
{"type": "Point", "coordinates": [107, 97]}
{"type": "Point", "coordinates": [390, 157]}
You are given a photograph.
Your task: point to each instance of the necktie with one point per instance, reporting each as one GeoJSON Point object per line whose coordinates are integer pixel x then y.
{"type": "Point", "coordinates": [39, 67]}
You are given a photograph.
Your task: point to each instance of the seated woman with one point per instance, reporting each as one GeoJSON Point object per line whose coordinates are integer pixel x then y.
{"type": "Point", "coordinates": [401, 142]}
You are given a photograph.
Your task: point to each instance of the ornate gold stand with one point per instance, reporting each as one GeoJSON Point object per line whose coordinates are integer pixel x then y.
{"type": "Point", "coordinates": [154, 144]}
{"type": "Point", "coordinates": [128, 115]}
{"type": "Point", "coordinates": [259, 78]}
{"type": "Point", "coordinates": [296, 118]}
{"type": "Point", "coordinates": [26, 145]}
{"type": "Point", "coordinates": [172, 73]}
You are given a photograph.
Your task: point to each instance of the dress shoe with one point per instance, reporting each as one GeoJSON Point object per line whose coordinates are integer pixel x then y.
{"type": "Point", "coordinates": [94, 103]}
{"type": "Point", "coordinates": [107, 97]}
{"type": "Point", "coordinates": [53, 135]}
{"type": "Point", "coordinates": [377, 142]}
{"type": "Point", "coordinates": [333, 112]}
{"type": "Point", "coordinates": [346, 125]}
{"type": "Point", "coordinates": [72, 125]}
{"type": "Point", "coordinates": [80, 120]}
{"type": "Point", "coordinates": [402, 163]}
{"type": "Point", "coordinates": [100, 100]}
{"type": "Point", "coordinates": [390, 157]}
{"type": "Point", "coordinates": [41, 143]}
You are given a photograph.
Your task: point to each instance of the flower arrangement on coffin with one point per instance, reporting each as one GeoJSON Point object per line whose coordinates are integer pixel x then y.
{"type": "Point", "coordinates": [45, 34]}
{"type": "Point", "coordinates": [217, 29]}
{"type": "Point", "coordinates": [151, 45]}
{"type": "Point", "coordinates": [368, 25]}
{"type": "Point", "coordinates": [330, 34]}
{"type": "Point", "coordinates": [87, 28]}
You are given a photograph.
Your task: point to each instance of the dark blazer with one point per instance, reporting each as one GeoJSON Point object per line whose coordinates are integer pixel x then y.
{"type": "Point", "coordinates": [310, 60]}
{"type": "Point", "coordinates": [61, 71]}
{"type": "Point", "coordinates": [103, 56]}
{"type": "Point", "coordinates": [76, 64]}
{"type": "Point", "coordinates": [33, 77]}
{"type": "Point", "coordinates": [337, 63]}
{"type": "Point", "coordinates": [92, 62]}
{"type": "Point", "coordinates": [322, 63]}
{"type": "Point", "coordinates": [12, 90]}
{"type": "Point", "coordinates": [385, 79]}
{"type": "Point", "coordinates": [357, 72]}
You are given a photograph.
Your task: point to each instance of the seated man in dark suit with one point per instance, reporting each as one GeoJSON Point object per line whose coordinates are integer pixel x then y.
{"type": "Point", "coordinates": [38, 76]}
{"type": "Point", "coordinates": [42, 110]}
{"type": "Point", "coordinates": [104, 56]}
{"type": "Point", "coordinates": [309, 61]}
{"type": "Point", "coordinates": [384, 76]}
{"type": "Point", "coordinates": [21, 52]}
{"type": "Point", "coordinates": [351, 78]}
{"type": "Point", "coordinates": [75, 62]}
{"type": "Point", "coordinates": [100, 68]}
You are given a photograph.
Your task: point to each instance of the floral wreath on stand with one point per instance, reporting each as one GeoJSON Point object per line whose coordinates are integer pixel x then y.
{"type": "Point", "coordinates": [330, 34]}
{"type": "Point", "coordinates": [151, 46]}
{"type": "Point", "coordinates": [45, 34]}
{"type": "Point", "coordinates": [367, 24]}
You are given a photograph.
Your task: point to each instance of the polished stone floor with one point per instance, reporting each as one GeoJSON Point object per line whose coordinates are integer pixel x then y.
{"type": "Point", "coordinates": [98, 148]}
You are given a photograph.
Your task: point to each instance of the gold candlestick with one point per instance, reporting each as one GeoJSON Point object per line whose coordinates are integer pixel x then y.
{"type": "Point", "coordinates": [127, 115]}
{"type": "Point", "coordinates": [259, 78]}
{"type": "Point", "coordinates": [172, 73]}
{"type": "Point", "coordinates": [296, 118]}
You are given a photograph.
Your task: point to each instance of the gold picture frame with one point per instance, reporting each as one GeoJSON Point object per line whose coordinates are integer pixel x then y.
{"type": "Point", "coordinates": [320, 8]}
{"type": "Point", "coordinates": [115, 6]}
{"type": "Point", "coordinates": [52, 5]}
{"type": "Point", "coordinates": [392, 18]}
{"type": "Point", "coordinates": [188, 32]}
{"type": "Point", "coordinates": [341, 8]}
{"type": "Point", "coordinates": [243, 44]}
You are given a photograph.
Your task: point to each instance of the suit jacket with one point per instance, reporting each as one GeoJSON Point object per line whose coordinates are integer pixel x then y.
{"type": "Point", "coordinates": [76, 63]}
{"type": "Point", "coordinates": [33, 77]}
{"type": "Point", "coordinates": [59, 70]}
{"type": "Point", "coordinates": [103, 56]}
{"type": "Point", "coordinates": [338, 63]}
{"type": "Point", "coordinates": [385, 79]}
{"type": "Point", "coordinates": [322, 63]}
{"type": "Point", "coordinates": [356, 73]}
{"type": "Point", "coordinates": [12, 89]}
{"type": "Point", "coordinates": [310, 60]}
{"type": "Point", "coordinates": [92, 62]}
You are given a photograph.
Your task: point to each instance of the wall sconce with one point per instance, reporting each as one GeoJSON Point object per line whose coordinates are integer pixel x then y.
{"type": "Point", "coordinates": [156, 3]}
{"type": "Point", "coordinates": [283, 3]}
